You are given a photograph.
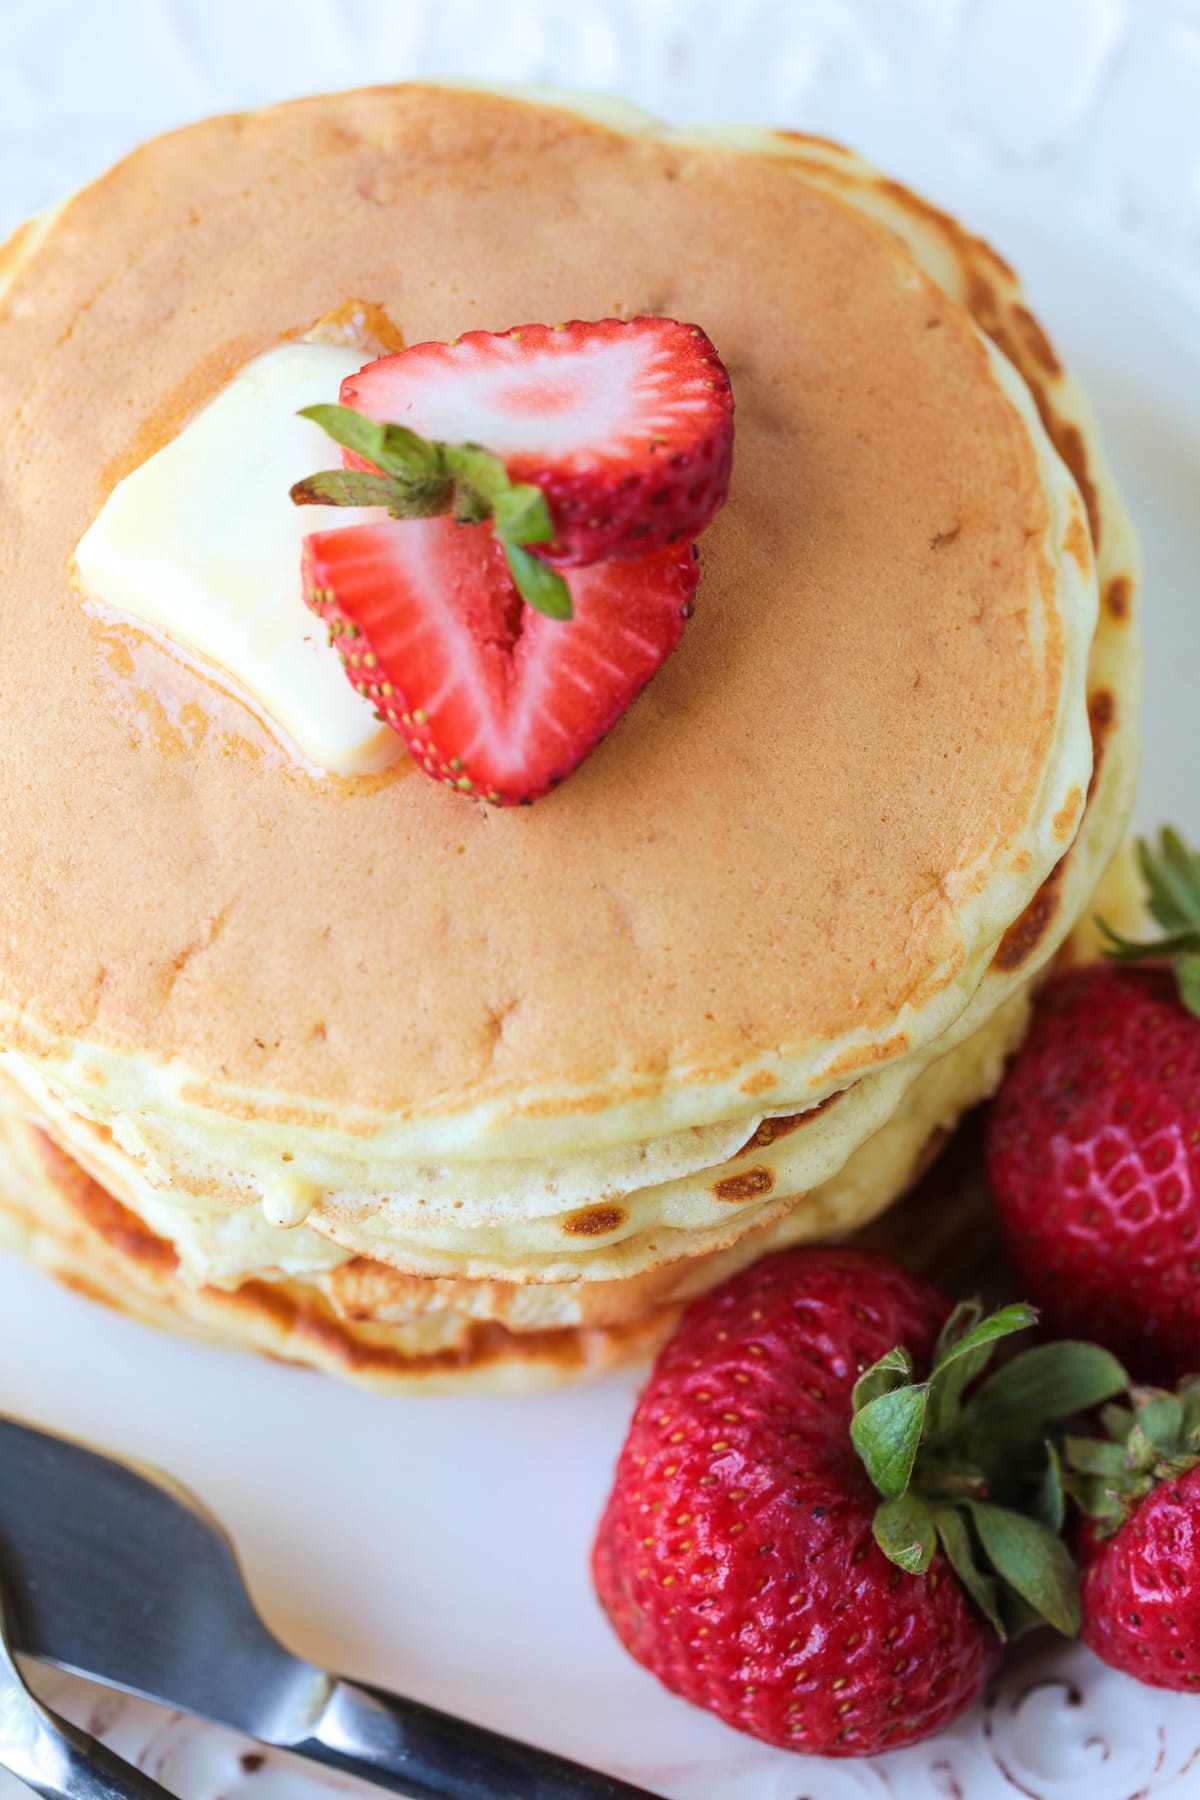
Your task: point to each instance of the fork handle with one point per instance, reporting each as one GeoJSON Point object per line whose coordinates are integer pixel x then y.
{"type": "Point", "coordinates": [413, 1749]}
{"type": "Point", "coordinates": [60, 1762]}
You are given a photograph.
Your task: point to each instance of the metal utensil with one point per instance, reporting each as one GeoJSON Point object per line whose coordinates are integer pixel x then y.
{"type": "Point", "coordinates": [118, 1573]}
{"type": "Point", "coordinates": [53, 1757]}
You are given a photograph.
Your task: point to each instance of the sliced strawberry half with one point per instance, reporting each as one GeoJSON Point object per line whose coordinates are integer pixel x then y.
{"type": "Point", "coordinates": [625, 425]}
{"type": "Point", "coordinates": [492, 697]}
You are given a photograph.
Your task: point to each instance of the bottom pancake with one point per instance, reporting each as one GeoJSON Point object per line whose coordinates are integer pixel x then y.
{"type": "Point", "coordinates": [68, 1226]}
{"type": "Point", "coordinates": [366, 1323]}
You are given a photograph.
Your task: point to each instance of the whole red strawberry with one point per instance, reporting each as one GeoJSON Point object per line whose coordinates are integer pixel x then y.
{"type": "Point", "coordinates": [1093, 1149]}
{"type": "Point", "coordinates": [745, 1556]}
{"type": "Point", "coordinates": [1140, 1546]}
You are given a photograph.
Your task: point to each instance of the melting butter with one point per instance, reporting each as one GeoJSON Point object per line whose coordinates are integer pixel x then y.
{"type": "Point", "coordinates": [202, 543]}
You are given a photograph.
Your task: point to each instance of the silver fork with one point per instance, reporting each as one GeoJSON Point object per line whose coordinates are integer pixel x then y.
{"type": "Point", "coordinates": [118, 1574]}
{"type": "Point", "coordinates": [53, 1757]}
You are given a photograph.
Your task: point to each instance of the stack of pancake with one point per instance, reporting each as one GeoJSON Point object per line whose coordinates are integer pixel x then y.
{"type": "Point", "coordinates": [367, 1075]}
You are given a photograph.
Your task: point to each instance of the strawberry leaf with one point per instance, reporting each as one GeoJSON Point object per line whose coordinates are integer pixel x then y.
{"type": "Point", "coordinates": [1000, 1324]}
{"type": "Point", "coordinates": [361, 487]}
{"type": "Point", "coordinates": [1049, 1503]}
{"type": "Point", "coordinates": [960, 1358]}
{"type": "Point", "coordinates": [1140, 1453]}
{"type": "Point", "coordinates": [418, 478]}
{"type": "Point", "coordinates": [1019, 1616]}
{"type": "Point", "coordinates": [1187, 974]}
{"type": "Point", "coordinates": [393, 449]}
{"type": "Point", "coordinates": [1040, 1386]}
{"type": "Point", "coordinates": [964, 1318]}
{"type": "Point", "coordinates": [1172, 877]}
{"type": "Point", "coordinates": [1099, 1500]}
{"type": "Point", "coordinates": [470, 507]}
{"type": "Point", "coordinates": [409, 457]}
{"type": "Point", "coordinates": [891, 1371]}
{"type": "Point", "coordinates": [887, 1433]}
{"type": "Point", "coordinates": [1094, 1456]}
{"type": "Point", "coordinates": [1161, 1418]}
{"type": "Point", "coordinates": [475, 467]}
{"type": "Point", "coordinates": [522, 515]}
{"type": "Point", "coordinates": [1122, 949]}
{"type": "Point", "coordinates": [1158, 1439]}
{"type": "Point", "coordinates": [947, 1386]}
{"type": "Point", "coordinates": [1189, 1394]}
{"type": "Point", "coordinates": [345, 487]}
{"type": "Point", "coordinates": [538, 584]}
{"type": "Point", "coordinates": [352, 430]}
{"type": "Point", "coordinates": [955, 1537]}
{"type": "Point", "coordinates": [1033, 1561]}
{"type": "Point", "coordinates": [1117, 1420]}
{"type": "Point", "coordinates": [904, 1530]}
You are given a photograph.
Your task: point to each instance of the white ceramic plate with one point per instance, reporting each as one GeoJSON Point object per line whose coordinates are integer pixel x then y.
{"type": "Point", "coordinates": [441, 1547]}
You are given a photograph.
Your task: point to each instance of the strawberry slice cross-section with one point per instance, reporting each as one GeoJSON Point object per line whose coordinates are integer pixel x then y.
{"type": "Point", "coordinates": [626, 426]}
{"type": "Point", "coordinates": [491, 696]}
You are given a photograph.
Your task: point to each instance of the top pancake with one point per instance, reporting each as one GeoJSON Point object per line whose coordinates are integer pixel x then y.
{"type": "Point", "coordinates": [784, 865]}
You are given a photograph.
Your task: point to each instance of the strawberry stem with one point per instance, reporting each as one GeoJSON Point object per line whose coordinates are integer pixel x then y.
{"type": "Point", "coordinates": [419, 478]}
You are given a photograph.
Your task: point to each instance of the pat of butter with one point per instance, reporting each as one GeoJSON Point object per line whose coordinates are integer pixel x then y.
{"type": "Point", "coordinates": [203, 544]}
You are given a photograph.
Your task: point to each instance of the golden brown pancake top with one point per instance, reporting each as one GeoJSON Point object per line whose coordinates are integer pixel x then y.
{"type": "Point", "coordinates": [769, 848]}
